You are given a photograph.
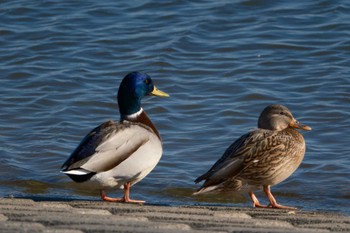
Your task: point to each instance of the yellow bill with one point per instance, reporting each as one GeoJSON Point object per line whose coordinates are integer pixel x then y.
{"type": "Point", "coordinates": [159, 93]}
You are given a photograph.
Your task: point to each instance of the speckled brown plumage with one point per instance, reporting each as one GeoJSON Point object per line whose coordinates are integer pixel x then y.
{"type": "Point", "coordinates": [259, 159]}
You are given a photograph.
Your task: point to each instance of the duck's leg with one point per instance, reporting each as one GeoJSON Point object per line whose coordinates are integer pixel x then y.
{"type": "Point", "coordinates": [111, 199]}
{"type": "Point", "coordinates": [273, 202]}
{"type": "Point", "coordinates": [125, 198]}
{"type": "Point", "coordinates": [127, 194]}
{"type": "Point", "coordinates": [255, 200]}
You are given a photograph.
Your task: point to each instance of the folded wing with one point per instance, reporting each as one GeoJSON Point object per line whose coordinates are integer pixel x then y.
{"type": "Point", "coordinates": [104, 148]}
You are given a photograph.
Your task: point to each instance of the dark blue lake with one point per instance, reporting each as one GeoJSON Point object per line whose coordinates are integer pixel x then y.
{"type": "Point", "coordinates": [222, 62]}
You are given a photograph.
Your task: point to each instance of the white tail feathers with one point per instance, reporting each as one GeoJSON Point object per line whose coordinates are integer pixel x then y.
{"type": "Point", "coordinates": [78, 172]}
{"type": "Point", "coordinates": [205, 190]}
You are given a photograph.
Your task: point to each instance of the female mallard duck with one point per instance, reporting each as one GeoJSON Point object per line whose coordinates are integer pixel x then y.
{"type": "Point", "coordinates": [120, 154]}
{"type": "Point", "coordinates": [259, 159]}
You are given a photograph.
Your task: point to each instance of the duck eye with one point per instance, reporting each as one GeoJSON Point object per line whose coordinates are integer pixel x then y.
{"type": "Point", "coordinates": [146, 81]}
{"type": "Point", "coordinates": [285, 114]}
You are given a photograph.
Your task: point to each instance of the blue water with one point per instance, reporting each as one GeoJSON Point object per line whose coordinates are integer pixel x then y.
{"type": "Point", "coordinates": [222, 62]}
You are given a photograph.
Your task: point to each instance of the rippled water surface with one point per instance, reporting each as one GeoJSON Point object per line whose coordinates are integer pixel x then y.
{"type": "Point", "coordinates": [222, 62]}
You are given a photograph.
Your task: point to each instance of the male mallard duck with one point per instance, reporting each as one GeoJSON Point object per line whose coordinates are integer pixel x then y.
{"type": "Point", "coordinates": [120, 154]}
{"type": "Point", "coordinates": [259, 159]}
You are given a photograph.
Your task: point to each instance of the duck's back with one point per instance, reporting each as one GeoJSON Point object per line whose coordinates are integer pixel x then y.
{"type": "Point", "coordinates": [257, 158]}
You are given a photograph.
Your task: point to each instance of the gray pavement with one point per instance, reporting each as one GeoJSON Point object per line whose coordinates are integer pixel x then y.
{"type": "Point", "coordinates": [26, 215]}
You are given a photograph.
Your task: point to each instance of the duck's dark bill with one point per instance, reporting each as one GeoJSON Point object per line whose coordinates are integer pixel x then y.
{"type": "Point", "coordinates": [296, 124]}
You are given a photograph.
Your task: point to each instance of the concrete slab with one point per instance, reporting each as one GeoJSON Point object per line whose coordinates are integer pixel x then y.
{"type": "Point", "coordinates": [25, 215]}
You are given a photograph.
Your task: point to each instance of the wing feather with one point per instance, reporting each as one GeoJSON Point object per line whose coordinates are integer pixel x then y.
{"type": "Point", "coordinates": [229, 164]}
{"type": "Point", "coordinates": [239, 156]}
{"type": "Point", "coordinates": [107, 146]}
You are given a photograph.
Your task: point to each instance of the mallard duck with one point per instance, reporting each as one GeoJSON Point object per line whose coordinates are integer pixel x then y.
{"type": "Point", "coordinates": [259, 159]}
{"type": "Point", "coordinates": [120, 154]}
